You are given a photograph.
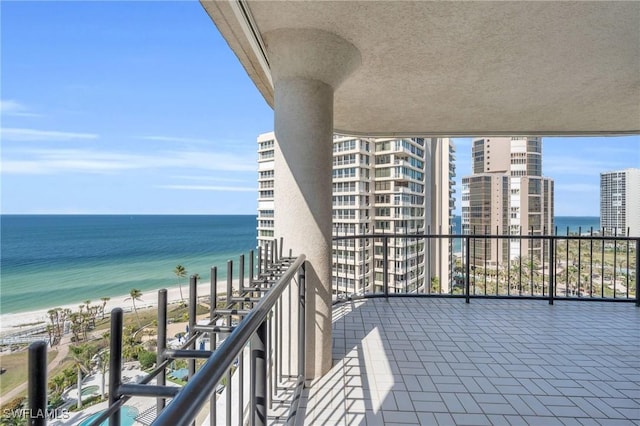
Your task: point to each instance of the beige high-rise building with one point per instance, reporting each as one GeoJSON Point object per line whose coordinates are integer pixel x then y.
{"type": "Point", "coordinates": [380, 186]}
{"type": "Point", "coordinates": [620, 202]}
{"type": "Point", "coordinates": [507, 195]}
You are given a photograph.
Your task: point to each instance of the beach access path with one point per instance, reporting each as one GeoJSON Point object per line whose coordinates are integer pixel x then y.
{"type": "Point", "coordinates": [63, 350]}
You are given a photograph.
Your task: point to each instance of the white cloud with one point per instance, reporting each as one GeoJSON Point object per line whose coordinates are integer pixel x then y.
{"type": "Point", "coordinates": [176, 139]}
{"type": "Point", "coordinates": [210, 188]}
{"type": "Point", "coordinates": [208, 178]}
{"type": "Point", "coordinates": [56, 161]}
{"type": "Point", "coordinates": [11, 107]}
{"type": "Point", "coordinates": [32, 135]}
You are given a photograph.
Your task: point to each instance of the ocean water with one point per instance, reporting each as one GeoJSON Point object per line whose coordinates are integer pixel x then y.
{"type": "Point", "coordinates": [53, 260]}
{"type": "Point", "coordinates": [561, 224]}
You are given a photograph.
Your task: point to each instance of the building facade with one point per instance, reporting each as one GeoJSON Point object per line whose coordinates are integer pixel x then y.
{"type": "Point", "coordinates": [380, 186]}
{"type": "Point", "coordinates": [620, 202]}
{"type": "Point", "coordinates": [507, 195]}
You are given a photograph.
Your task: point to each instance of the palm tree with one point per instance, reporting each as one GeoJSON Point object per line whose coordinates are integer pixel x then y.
{"type": "Point", "coordinates": [180, 272]}
{"type": "Point", "coordinates": [54, 316]}
{"type": "Point", "coordinates": [57, 383]}
{"type": "Point", "coordinates": [135, 294]}
{"type": "Point", "coordinates": [81, 357]}
{"type": "Point", "coordinates": [104, 304]}
{"type": "Point", "coordinates": [103, 365]}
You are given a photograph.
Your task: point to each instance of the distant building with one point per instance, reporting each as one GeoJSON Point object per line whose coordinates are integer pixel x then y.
{"type": "Point", "coordinates": [620, 202]}
{"type": "Point", "coordinates": [265, 188]}
{"type": "Point", "coordinates": [507, 195]}
{"type": "Point", "coordinates": [380, 186]}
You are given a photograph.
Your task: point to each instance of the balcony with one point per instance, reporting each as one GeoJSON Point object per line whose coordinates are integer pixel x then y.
{"type": "Point", "coordinates": [484, 347]}
{"type": "Point", "coordinates": [440, 361]}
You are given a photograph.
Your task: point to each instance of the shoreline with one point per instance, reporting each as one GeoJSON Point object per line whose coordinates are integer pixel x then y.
{"type": "Point", "coordinates": [16, 322]}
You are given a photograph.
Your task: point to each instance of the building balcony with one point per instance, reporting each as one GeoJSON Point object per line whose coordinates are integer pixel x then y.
{"type": "Point", "coordinates": [492, 362]}
{"type": "Point", "coordinates": [480, 345]}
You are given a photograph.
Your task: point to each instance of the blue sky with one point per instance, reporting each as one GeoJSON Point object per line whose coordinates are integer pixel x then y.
{"type": "Point", "coordinates": [141, 107]}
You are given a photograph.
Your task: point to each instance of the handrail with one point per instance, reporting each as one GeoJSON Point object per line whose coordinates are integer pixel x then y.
{"type": "Point", "coordinates": [488, 236]}
{"type": "Point", "coordinates": [186, 405]}
{"type": "Point", "coordinates": [501, 268]}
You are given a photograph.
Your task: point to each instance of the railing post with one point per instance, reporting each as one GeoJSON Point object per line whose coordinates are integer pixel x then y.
{"type": "Point", "coordinates": [241, 275]}
{"type": "Point", "coordinates": [281, 247]}
{"type": "Point", "coordinates": [229, 323]}
{"type": "Point", "coordinates": [213, 302]}
{"type": "Point", "coordinates": [385, 265]}
{"type": "Point", "coordinates": [162, 344]}
{"type": "Point", "coordinates": [38, 383]}
{"type": "Point", "coordinates": [115, 364]}
{"type": "Point", "coordinates": [259, 376]}
{"type": "Point", "coordinates": [637, 272]}
{"type": "Point", "coordinates": [467, 269]}
{"type": "Point", "coordinates": [251, 268]}
{"type": "Point", "coordinates": [193, 304]}
{"type": "Point", "coordinates": [552, 270]}
{"type": "Point", "coordinates": [302, 322]}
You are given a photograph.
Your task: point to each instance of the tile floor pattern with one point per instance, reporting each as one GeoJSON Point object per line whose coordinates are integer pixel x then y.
{"type": "Point", "coordinates": [490, 362]}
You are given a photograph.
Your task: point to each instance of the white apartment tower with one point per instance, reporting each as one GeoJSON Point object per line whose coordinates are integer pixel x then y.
{"type": "Point", "coordinates": [507, 195]}
{"type": "Point", "coordinates": [620, 202]}
{"type": "Point", "coordinates": [266, 144]}
{"type": "Point", "coordinates": [380, 186]}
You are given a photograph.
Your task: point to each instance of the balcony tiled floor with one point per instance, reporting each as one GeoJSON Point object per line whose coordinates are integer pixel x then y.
{"type": "Point", "coordinates": [500, 362]}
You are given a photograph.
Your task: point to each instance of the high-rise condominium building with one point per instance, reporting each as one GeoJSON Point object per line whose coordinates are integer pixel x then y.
{"type": "Point", "coordinates": [506, 195]}
{"type": "Point", "coordinates": [620, 202]}
{"type": "Point", "coordinates": [380, 186]}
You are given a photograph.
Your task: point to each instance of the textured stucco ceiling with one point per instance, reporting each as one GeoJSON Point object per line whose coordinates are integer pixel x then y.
{"type": "Point", "coordinates": [468, 68]}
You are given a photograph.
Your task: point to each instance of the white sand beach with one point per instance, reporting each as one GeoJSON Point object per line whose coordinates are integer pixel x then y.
{"type": "Point", "coordinates": [10, 323]}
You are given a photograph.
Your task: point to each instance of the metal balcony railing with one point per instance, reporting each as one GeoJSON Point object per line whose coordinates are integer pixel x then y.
{"type": "Point", "coordinates": [261, 362]}
{"type": "Point", "coordinates": [270, 335]}
{"type": "Point", "coordinates": [568, 267]}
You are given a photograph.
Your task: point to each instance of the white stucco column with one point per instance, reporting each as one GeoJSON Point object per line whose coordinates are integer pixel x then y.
{"type": "Point", "coordinates": [307, 66]}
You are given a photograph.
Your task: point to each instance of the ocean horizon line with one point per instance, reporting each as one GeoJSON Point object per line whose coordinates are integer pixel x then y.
{"type": "Point", "coordinates": [193, 214]}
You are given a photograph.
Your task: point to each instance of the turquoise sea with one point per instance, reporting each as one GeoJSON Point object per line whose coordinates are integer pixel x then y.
{"type": "Point", "coordinates": [562, 224]}
{"type": "Point", "coordinates": [53, 260]}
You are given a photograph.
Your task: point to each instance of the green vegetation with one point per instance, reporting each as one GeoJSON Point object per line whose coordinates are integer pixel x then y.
{"type": "Point", "coordinates": [16, 366]}
{"type": "Point", "coordinates": [147, 359]}
{"type": "Point", "coordinates": [81, 357]}
{"type": "Point", "coordinates": [135, 294]}
{"type": "Point", "coordinates": [180, 272]}
{"type": "Point", "coordinates": [585, 268]}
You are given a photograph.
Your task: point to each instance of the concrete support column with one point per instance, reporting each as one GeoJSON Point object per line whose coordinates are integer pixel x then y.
{"type": "Point", "coordinates": [307, 66]}
{"type": "Point", "coordinates": [303, 207]}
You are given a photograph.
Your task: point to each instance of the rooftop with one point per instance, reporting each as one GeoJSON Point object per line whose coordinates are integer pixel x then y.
{"type": "Point", "coordinates": [441, 361]}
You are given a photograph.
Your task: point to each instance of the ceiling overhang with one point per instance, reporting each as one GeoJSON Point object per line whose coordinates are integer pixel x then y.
{"type": "Point", "coordinates": [462, 68]}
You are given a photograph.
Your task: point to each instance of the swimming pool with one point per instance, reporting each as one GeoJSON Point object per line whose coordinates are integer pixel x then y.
{"type": "Point", "coordinates": [127, 417]}
{"type": "Point", "coordinates": [90, 390]}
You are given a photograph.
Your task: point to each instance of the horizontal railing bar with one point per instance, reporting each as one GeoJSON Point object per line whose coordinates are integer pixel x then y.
{"type": "Point", "coordinates": [245, 299]}
{"type": "Point", "coordinates": [488, 236]}
{"type": "Point", "coordinates": [186, 405]}
{"type": "Point", "coordinates": [187, 353]}
{"type": "Point", "coordinates": [232, 311]}
{"type": "Point", "coordinates": [215, 328]}
{"type": "Point", "coordinates": [481, 296]}
{"type": "Point", "coordinates": [257, 289]}
{"type": "Point", "coordinates": [136, 389]}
